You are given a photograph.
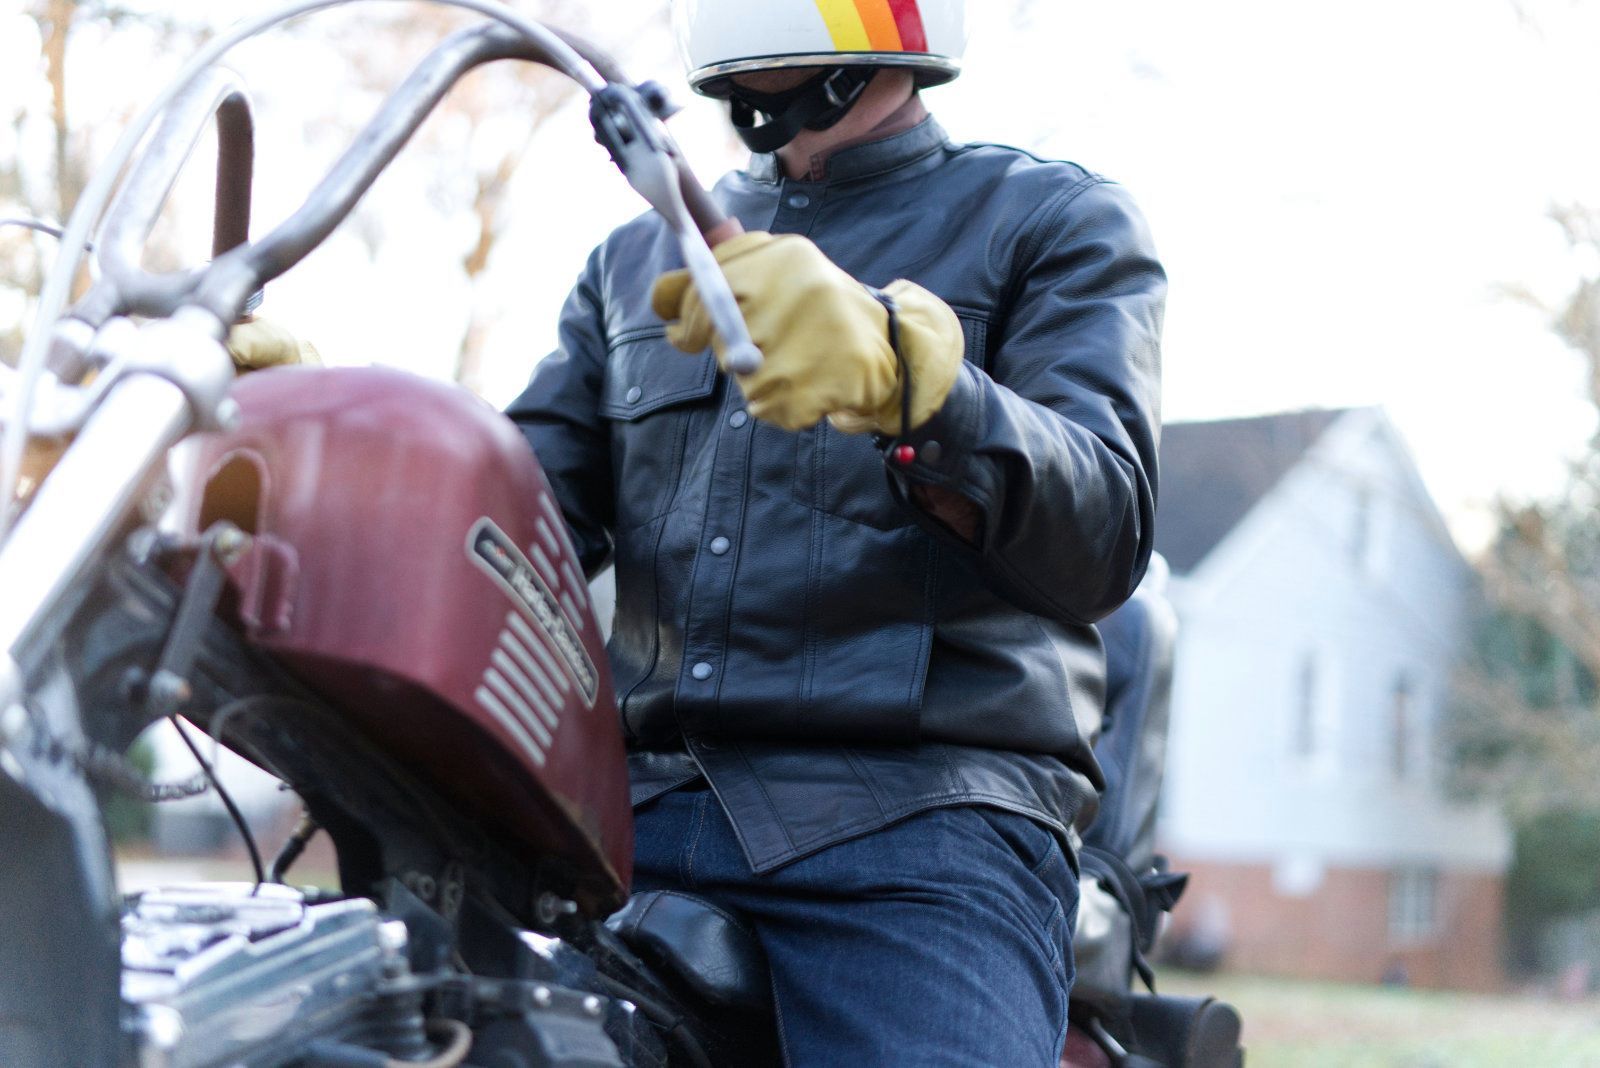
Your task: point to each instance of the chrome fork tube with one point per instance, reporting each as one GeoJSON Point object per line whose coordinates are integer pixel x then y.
{"type": "Point", "coordinates": [98, 484]}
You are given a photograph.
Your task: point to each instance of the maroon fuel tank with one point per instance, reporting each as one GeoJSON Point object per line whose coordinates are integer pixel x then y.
{"type": "Point", "coordinates": [412, 567]}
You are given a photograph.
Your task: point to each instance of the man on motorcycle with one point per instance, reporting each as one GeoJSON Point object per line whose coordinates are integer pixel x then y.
{"type": "Point", "coordinates": [854, 644]}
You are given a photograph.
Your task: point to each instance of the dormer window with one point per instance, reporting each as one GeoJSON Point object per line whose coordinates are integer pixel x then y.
{"type": "Point", "coordinates": [1402, 703]}
{"type": "Point", "coordinates": [1312, 727]}
{"type": "Point", "coordinates": [1361, 528]}
{"type": "Point", "coordinates": [1367, 531]}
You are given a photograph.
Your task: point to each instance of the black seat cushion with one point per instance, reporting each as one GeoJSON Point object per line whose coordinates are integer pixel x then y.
{"type": "Point", "coordinates": [710, 950]}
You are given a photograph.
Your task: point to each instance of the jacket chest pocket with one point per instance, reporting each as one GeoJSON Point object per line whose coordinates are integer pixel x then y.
{"type": "Point", "coordinates": [651, 394]}
{"type": "Point", "coordinates": [843, 475]}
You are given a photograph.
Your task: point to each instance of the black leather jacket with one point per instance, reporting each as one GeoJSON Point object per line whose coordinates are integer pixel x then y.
{"type": "Point", "coordinates": [789, 622]}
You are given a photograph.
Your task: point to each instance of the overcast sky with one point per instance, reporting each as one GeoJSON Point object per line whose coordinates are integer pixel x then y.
{"type": "Point", "coordinates": [1339, 192]}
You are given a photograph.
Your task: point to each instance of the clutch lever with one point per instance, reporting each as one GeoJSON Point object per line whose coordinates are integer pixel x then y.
{"type": "Point", "coordinates": [627, 121]}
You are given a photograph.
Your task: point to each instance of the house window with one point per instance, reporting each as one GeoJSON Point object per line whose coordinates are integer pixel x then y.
{"type": "Point", "coordinates": [1402, 700]}
{"type": "Point", "coordinates": [1413, 904]}
{"type": "Point", "coordinates": [1312, 728]}
{"type": "Point", "coordinates": [1361, 528]}
{"type": "Point", "coordinates": [1305, 709]}
{"type": "Point", "coordinates": [1371, 532]}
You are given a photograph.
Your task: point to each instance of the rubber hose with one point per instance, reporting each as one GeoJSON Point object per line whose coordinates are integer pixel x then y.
{"type": "Point", "coordinates": [455, 1050]}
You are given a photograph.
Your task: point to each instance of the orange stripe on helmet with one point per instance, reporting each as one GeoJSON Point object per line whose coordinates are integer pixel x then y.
{"type": "Point", "coordinates": [878, 19]}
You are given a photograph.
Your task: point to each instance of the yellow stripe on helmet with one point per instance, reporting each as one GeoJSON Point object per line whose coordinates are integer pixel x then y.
{"type": "Point", "coordinates": [845, 26]}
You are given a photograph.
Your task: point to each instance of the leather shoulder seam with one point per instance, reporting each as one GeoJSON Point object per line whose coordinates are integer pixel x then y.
{"type": "Point", "coordinates": [1052, 211]}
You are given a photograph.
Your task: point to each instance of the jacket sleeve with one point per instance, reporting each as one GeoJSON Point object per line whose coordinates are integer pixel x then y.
{"type": "Point", "coordinates": [1054, 442]}
{"type": "Point", "coordinates": [559, 414]}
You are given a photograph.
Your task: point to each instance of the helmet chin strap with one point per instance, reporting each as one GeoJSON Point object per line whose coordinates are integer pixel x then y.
{"type": "Point", "coordinates": [815, 104]}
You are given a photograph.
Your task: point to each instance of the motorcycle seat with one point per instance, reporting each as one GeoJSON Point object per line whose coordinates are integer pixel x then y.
{"type": "Point", "coordinates": [708, 949]}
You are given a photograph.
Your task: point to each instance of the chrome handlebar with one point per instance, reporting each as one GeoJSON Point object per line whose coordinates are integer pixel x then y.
{"type": "Point", "coordinates": [125, 287]}
{"type": "Point", "coordinates": [162, 380]}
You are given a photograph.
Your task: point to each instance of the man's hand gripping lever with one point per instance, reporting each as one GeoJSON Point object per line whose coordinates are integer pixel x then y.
{"type": "Point", "coordinates": [629, 122]}
{"type": "Point", "coordinates": [867, 361]}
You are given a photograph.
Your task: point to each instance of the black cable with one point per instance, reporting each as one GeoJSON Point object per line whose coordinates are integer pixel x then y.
{"type": "Point", "coordinates": [674, 1023]}
{"type": "Point", "coordinates": [34, 224]}
{"type": "Point", "coordinates": [893, 311]}
{"type": "Point", "coordinates": [227, 801]}
{"type": "Point", "coordinates": [42, 227]}
{"type": "Point", "coordinates": [296, 844]}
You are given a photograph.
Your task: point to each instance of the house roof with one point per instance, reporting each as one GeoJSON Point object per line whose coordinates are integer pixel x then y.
{"type": "Point", "coordinates": [1213, 473]}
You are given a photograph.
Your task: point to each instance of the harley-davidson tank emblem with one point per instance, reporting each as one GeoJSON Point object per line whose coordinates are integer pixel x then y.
{"type": "Point", "coordinates": [497, 554]}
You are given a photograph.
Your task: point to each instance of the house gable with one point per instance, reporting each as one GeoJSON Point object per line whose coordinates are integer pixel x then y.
{"type": "Point", "coordinates": [1333, 608]}
{"type": "Point", "coordinates": [1214, 473]}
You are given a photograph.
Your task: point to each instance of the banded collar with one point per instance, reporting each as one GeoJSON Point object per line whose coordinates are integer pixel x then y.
{"type": "Point", "coordinates": [863, 160]}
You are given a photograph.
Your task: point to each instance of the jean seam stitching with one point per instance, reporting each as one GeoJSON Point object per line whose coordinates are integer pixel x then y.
{"type": "Point", "coordinates": [777, 1016]}
{"type": "Point", "coordinates": [694, 840]}
{"type": "Point", "coordinates": [1052, 940]}
{"type": "Point", "coordinates": [1050, 854]}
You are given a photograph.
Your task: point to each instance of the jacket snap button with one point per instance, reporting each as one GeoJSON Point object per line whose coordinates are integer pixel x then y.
{"type": "Point", "coordinates": [738, 419]}
{"type": "Point", "coordinates": [701, 671]}
{"type": "Point", "coordinates": [931, 451]}
{"type": "Point", "coordinates": [799, 200]}
{"type": "Point", "coordinates": [634, 394]}
{"type": "Point", "coordinates": [719, 546]}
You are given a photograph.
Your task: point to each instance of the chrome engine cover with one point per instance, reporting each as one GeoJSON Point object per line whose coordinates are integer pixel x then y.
{"type": "Point", "coordinates": [224, 974]}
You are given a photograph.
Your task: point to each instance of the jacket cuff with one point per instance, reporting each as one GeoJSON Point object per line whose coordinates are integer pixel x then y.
{"type": "Point", "coordinates": [944, 451]}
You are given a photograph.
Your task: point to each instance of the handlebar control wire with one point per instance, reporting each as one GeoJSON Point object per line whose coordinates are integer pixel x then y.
{"type": "Point", "coordinates": [39, 225]}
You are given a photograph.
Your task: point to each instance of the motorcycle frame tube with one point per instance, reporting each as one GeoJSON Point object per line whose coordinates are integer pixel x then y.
{"type": "Point", "coordinates": [126, 287]}
{"type": "Point", "coordinates": [237, 275]}
{"type": "Point", "coordinates": [246, 269]}
{"type": "Point", "coordinates": [81, 507]}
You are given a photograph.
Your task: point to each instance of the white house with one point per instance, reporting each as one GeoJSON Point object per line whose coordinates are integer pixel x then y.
{"type": "Point", "coordinates": [1322, 606]}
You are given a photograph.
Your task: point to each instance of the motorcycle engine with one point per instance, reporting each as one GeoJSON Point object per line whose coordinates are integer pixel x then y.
{"type": "Point", "coordinates": [230, 973]}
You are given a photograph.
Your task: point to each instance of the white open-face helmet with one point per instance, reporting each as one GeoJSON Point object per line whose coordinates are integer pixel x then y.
{"type": "Point", "coordinates": [721, 38]}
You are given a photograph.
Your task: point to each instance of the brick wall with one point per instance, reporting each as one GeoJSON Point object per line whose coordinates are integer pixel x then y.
{"type": "Point", "coordinates": [1341, 929]}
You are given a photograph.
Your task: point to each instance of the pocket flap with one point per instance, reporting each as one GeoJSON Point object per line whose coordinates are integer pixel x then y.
{"type": "Point", "coordinates": [645, 374]}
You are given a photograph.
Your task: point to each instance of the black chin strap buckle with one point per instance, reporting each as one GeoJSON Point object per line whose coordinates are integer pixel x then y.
{"type": "Point", "coordinates": [817, 103]}
{"type": "Point", "coordinates": [842, 90]}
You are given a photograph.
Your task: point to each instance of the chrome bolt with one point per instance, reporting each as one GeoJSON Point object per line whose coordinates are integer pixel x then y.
{"type": "Point", "coordinates": [163, 1028]}
{"type": "Point", "coordinates": [12, 723]}
{"type": "Point", "coordinates": [169, 691]}
{"type": "Point", "coordinates": [393, 936]}
{"type": "Point", "coordinates": [230, 544]}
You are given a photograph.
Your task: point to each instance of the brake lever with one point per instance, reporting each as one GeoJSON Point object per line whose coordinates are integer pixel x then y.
{"type": "Point", "coordinates": [631, 129]}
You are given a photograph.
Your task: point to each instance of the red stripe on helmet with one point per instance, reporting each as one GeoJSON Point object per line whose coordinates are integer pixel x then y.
{"type": "Point", "coordinates": [913, 38]}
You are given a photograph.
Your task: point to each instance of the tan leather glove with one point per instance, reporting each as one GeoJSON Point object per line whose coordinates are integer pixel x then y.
{"type": "Point", "coordinates": [37, 461]}
{"type": "Point", "coordinates": [824, 337]}
{"type": "Point", "coordinates": [258, 343]}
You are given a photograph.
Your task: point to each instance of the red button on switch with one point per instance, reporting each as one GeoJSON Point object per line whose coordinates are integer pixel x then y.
{"type": "Point", "coordinates": [905, 455]}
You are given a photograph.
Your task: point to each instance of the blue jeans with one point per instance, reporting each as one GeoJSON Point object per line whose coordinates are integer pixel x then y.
{"type": "Point", "coordinates": [943, 940]}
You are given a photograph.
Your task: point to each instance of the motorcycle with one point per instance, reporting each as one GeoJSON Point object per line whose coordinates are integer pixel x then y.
{"type": "Point", "coordinates": [359, 581]}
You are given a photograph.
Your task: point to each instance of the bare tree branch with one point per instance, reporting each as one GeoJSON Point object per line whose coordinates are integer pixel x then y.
{"type": "Point", "coordinates": [1527, 724]}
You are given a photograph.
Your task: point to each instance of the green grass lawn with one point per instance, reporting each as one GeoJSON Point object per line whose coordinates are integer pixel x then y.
{"type": "Point", "coordinates": [1293, 1024]}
